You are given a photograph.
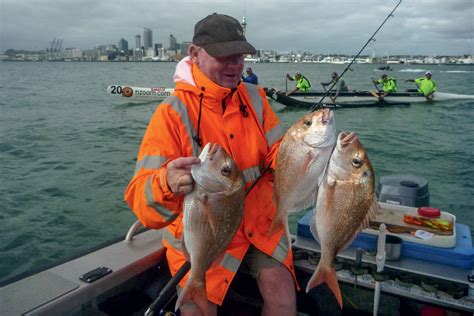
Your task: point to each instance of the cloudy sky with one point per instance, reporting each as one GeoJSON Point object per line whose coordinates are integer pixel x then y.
{"type": "Point", "coordinates": [429, 27]}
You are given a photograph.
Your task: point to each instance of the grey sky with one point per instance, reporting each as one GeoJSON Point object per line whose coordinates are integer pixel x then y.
{"type": "Point", "coordinates": [429, 27]}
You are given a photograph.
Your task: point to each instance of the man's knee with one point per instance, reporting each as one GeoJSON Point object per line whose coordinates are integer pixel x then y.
{"type": "Point", "coordinates": [277, 286]}
{"type": "Point", "coordinates": [191, 309]}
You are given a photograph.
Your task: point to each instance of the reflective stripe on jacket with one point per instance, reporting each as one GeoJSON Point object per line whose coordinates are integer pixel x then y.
{"type": "Point", "coordinates": [249, 131]}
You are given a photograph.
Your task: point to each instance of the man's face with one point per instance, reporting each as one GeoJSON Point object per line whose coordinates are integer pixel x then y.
{"type": "Point", "coordinates": [428, 77]}
{"type": "Point", "coordinates": [224, 71]}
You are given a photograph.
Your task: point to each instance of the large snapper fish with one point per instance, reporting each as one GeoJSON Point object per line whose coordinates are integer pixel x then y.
{"type": "Point", "coordinates": [212, 213]}
{"type": "Point", "coordinates": [344, 206]}
{"type": "Point", "coordinates": [303, 154]}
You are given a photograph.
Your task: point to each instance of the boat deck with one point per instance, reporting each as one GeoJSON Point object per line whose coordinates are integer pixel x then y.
{"type": "Point", "coordinates": [456, 277]}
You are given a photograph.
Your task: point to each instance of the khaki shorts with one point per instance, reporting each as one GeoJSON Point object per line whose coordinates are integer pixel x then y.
{"type": "Point", "coordinates": [255, 260]}
{"type": "Point", "coordinates": [253, 263]}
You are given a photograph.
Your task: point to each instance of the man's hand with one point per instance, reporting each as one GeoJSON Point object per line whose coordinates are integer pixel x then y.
{"type": "Point", "coordinates": [179, 176]}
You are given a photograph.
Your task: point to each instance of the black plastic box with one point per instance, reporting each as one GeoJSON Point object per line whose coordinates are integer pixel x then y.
{"type": "Point", "coordinates": [408, 190]}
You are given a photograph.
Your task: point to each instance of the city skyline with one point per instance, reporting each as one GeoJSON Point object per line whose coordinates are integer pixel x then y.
{"type": "Point", "coordinates": [419, 27]}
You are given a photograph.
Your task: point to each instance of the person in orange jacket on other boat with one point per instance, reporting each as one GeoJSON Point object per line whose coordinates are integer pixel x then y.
{"type": "Point", "coordinates": [211, 104]}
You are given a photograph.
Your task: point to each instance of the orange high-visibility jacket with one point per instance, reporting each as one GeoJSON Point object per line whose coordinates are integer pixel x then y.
{"type": "Point", "coordinates": [248, 130]}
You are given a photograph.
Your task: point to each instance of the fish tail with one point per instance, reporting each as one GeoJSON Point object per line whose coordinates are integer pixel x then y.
{"type": "Point", "coordinates": [326, 274]}
{"type": "Point", "coordinates": [277, 224]}
{"type": "Point", "coordinates": [195, 292]}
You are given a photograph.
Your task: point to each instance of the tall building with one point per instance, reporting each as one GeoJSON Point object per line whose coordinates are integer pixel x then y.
{"type": "Point", "coordinates": [244, 23]}
{"type": "Point", "coordinates": [122, 46]}
{"type": "Point", "coordinates": [184, 48]}
{"type": "Point", "coordinates": [173, 45]}
{"type": "Point", "coordinates": [147, 38]}
{"type": "Point", "coordinates": [138, 42]}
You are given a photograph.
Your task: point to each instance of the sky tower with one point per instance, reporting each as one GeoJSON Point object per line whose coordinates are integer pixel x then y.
{"type": "Point", "coordinates": [244, 23]}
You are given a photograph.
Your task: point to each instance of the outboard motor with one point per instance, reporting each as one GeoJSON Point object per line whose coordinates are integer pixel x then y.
{"type": "Point", "coordinates": [405, 190]}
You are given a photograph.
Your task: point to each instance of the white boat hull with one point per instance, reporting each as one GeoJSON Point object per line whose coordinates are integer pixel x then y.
{"type": "Point", "coordinates": [438, 96]}
{"type": "Point", "coordinates": [139, 93]}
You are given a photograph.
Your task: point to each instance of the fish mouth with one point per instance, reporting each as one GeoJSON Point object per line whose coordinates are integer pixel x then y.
{"type": "Point", "coordinates": [213, 151]}
{"type": "Point", "coordinates": [345, 139]}
{"type": "Point", "coordinates": [209, 152]}
{"type": "Point", "coordinates": [326, 116]}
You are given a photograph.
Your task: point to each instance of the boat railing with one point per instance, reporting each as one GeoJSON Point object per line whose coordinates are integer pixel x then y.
{"type": "Point", "coordinates": [132, 231]}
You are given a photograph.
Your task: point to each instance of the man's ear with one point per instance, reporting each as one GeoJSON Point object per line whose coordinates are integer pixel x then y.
{"type": "Point", "coordinates": [193, 53]}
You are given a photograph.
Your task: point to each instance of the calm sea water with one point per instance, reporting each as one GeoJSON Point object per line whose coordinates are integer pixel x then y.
{"type": "Point", "coordinates": [67, 149]}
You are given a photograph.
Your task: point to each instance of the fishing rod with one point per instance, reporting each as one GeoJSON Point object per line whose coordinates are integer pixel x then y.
{"type": "Point", "coordinates": [318, 105]}
{"type": "Point", "coordinates": [330, 96]}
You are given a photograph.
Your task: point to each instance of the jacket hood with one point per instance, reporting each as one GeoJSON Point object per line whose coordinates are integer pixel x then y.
{"type": "Point", "coordinates": [188, 77]}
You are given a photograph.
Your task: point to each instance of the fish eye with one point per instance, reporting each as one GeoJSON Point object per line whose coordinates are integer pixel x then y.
{"type": "Point", "coordinates": [225, 171]}
{"type": "Point", "coordinates": [356, 162]}
{"type": "Point", "coordinates": [308, 123]}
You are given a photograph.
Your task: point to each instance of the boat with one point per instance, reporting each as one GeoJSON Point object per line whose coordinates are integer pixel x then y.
{"type": "Point", "coordinates": [357, 99]}
{"type": "Point", "coordinates": [385, 68]}
{"type": "Point", "coordinates": [125, 276]}
{"type": "Point", "coordinates": [139, 93]}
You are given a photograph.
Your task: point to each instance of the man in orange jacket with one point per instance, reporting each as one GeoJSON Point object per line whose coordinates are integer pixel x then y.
{"type": "Point", "coordinates": [211, 104]}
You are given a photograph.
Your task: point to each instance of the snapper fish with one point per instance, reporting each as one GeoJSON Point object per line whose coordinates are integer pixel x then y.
{"type": "Point", "coordinates": [212, 213]}
{"type": "Point", "coordinates": [344, 207]}
{"type": "Point", "coordinates": [302, 157]}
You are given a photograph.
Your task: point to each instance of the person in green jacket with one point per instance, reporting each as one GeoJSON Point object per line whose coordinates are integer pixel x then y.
{"type": "Point", "coordinates": [302, 83]}
{"type": "Point", "coordinates": [389, 85]}
{"type": "Point", "coordinates": [426, 85]}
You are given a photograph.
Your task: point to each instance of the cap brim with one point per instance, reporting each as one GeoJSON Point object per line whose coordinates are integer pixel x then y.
{"type": "Point", "coordinates": [229, 48]}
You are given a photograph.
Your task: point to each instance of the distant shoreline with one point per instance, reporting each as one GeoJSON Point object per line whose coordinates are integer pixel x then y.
{"type": "Point", "coordinates": [251, 62]}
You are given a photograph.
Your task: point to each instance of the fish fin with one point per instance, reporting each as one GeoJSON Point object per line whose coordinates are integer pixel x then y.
{"type": "Point", "coordinates": [310, 157]}
{"type": "Point", "coordinates": [276, 225]}
{"type": "Point", "coordinates": [326, 274]}
{"type": "Point", "coordinates": [195, 292]}
{"type": "Point", "coordinates": [313, 228]}
{"type": "Point", "coordinates": [209, 214]}
{"type": "Point", "coordinates": [307, 203]}
{"type": "Point", "coordinates": [281, 223]}
{"type": "Point", "coordinates": [331, 182]}
{"type": "Point", "coordinates": [311, 200]}
{"type": "Point", "coordinates": [185, 250]}
{"type": "Point", "coordinates": [374, 209]}
{"type": "Point", "coordinates": [218, 260]}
